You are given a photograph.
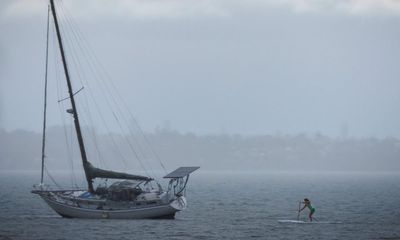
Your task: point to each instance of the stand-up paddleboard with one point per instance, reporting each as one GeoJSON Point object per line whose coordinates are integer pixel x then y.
{"type": "Point", "coordinates": [292, 221]}
{"type": "Point", "coordinates": [298, 217]}
{"type": "Point", "coordinates": [305, 222]}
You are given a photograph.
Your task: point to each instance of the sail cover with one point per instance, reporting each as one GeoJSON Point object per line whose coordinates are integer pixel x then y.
{"type": "Point", "coordinates": [100, 173]}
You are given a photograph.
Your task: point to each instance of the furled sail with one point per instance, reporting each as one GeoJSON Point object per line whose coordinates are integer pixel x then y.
{"type": "Point", "coordinates": [100, 173]}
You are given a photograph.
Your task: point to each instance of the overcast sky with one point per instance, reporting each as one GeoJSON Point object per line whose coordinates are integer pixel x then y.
{"type": "Point", "coordinates": [212, 66]}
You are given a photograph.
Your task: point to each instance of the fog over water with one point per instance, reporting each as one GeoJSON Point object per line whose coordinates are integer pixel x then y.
{"type": "Point", "coordinates": [275, 100]}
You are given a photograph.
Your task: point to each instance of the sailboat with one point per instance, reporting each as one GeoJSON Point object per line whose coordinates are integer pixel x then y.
{"type": "Point", "coordinates": [129, 196]}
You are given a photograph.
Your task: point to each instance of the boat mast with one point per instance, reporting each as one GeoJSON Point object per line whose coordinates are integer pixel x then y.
{"type": "Point", "coordinates": [85, 162]}
{"type": "Point", "coordinates": [45, 97]}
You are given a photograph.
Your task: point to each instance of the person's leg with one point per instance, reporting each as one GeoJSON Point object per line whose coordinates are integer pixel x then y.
{"type": "Point", "coordinates": [310, 215]}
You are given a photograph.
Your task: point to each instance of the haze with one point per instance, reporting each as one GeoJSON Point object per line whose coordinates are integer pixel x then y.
{"type": "Point", "coordinates": [237, 67]}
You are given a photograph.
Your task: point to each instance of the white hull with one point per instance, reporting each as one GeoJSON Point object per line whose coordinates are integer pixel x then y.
{"type": "Point", "coordinates": [148, 212]}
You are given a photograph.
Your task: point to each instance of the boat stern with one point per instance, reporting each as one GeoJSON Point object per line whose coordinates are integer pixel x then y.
{"type": "Point", "coordinates": [179, 203]}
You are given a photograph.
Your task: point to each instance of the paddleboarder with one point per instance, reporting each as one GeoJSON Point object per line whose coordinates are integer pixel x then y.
{"type": "Point", "coordinates": [307, 204]}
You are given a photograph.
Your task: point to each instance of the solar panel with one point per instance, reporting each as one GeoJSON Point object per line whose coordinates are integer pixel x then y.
{"type": "Point", "coordinates": [181, 172]}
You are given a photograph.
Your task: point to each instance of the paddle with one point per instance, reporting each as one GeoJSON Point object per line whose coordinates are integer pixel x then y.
{"type": "Point", "coordinates": [298, 212]}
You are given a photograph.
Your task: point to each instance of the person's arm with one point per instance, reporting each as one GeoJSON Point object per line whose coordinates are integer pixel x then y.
{"type": "Point", "coordinates": [303, 207]}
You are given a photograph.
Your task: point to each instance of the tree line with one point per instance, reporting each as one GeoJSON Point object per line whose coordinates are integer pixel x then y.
{"type": "Point", "coordinates": [21, 150]}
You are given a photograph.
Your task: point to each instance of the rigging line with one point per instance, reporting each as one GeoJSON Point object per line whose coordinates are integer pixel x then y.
{"type": "Point", "coordinates": [82, 48]}
{"type": "Point", "coordinates": [102, 118]}
{"type": "Point", "coordinates": [129, 142]}
{"type": "Point", "coordinates": [61, 107]}
{"type": "Point", "coordinates": [123, 101]}
{"type": "Point", "coordinates": [71, 133]}
{"type": "Point", "coordinates": [118, 108]}
{"type": "Point", "coordinates": [72, 94]}
{"type": "Point", "coordinates": [148, 143]}
{"type": "Point", "coordinates": [124, 118]}
{"type": "Point", "coordinates": [76, 121]}
{"type": "Point", "coordinates": [67, 139]}
{"type": "Point", "coordinates": [117, 119]}
{"type": "Point", "coordinates": [91, 95]}
{"type": "Point", "coordinates": [132, 134]}
{"type": "Point", "coordinates": [51, 177]}
{"type": "Point", "coordinates": [107, 128]}
{"type": "Point", "coordinates": [76, 62]}
{"type": "Point", "coordinates": [45, 95]}
{"type": "Point", "coordinates": [106, 125]}
{"type": "Point", "coordinates": [130, 145]}
{"type": "Point", "coordinates": [86, 107]}
{"type": "Point", "coordinates": [126, 106]}
{"type": "Point", "coordinates": [88, 111]}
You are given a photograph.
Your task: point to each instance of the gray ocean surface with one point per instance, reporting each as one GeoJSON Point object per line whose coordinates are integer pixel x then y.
{"type": "Point", "coordinates": [227, 206]}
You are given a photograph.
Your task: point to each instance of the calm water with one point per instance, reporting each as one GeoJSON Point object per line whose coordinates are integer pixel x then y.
{"type": "Point", "coordinates": [226, 206]}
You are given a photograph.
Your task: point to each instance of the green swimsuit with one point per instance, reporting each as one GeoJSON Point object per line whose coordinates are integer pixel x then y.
{"type": "Point", "coordinates": [311, 208]}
